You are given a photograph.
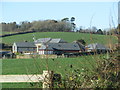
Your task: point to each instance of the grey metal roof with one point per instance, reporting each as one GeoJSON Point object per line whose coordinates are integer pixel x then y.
{"type": "Point", "coordinates": [61, 46]}
{"type": "Point", "coordinates": [50, 40]}
{"type": "Point", "coordinates": [96, 46]}
{"type": "Point", "coordinates": [43, 40]}
{"type": "Point", "coordinates": [57, 40]}
{"type": "Point", "coordinates": [21, 49]}
{"type": "Point", "coordinates": [25, 44]}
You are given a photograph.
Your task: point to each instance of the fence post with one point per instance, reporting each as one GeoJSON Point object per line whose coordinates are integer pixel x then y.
{"type": "Point", "coordinates": [47, 79]}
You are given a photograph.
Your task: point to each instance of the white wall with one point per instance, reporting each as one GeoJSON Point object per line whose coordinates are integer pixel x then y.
{"type": "Point", "coordinates": [45, 52]}
{"type": "Point", "coordinates": [14, 48]}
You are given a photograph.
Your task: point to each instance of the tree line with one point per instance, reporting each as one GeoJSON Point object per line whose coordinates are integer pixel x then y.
{"type": "Point", "coordinates": [63, 25]}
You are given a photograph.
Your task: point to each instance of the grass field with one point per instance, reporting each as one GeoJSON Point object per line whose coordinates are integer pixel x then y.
{"type": "Point", "coordinates": [58, 65]}
{"type": "Point", "coordinates": [19, 85]}
{"type": "Point", "coordinates": [68, 36]}
{"type": "Point", "coordinates": [36, 66]}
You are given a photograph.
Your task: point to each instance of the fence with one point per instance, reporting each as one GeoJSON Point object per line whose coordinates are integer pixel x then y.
{"type": "Point", "coordinates": [35, 56]}
{"type": "Point", "coordinates": [18, 33]}
{"type": "Point", "coordinates": [45, 78]}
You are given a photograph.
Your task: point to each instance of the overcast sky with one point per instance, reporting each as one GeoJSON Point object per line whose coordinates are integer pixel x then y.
{"type": "Point", "coordinates": [99, 14]}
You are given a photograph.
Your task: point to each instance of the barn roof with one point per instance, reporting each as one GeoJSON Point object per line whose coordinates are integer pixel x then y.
{"type": "Point", "coordinates": [57, 40]}
{"type": "Point", "coordinates": [25, 44]}
{"type": "Point", "coordinates": [50, 40]}
{"type": "Point", "coordinates": [43, 40]}
{"type": "Point", "coordinates": [96, 46]}
{"type": "Point", "coordinates": [61, 46]}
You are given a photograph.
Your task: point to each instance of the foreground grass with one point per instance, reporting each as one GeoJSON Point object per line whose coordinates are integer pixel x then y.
{"type": "Point", "coordinates": [58, 65]}
{"type": "Point", "coordinates": [36, 66]}
{"type": "Point", "coordinates": [20, 85]}
{"type": "Point", "coordinates": [68, 36]}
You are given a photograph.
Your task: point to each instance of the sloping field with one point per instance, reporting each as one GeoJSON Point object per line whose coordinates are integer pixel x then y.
{"type": "Point", "coordinates": [68, 36]}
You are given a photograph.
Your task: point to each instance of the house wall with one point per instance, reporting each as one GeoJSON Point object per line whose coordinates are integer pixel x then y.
{"type": "Point", "coordinates": [45, 52]}
{"type": "Point", "coordinates": [38, 46]}
{"type": "Point", "coordinates": [14, 48]}
{"type": "Point", "coordinates": [53, 52]}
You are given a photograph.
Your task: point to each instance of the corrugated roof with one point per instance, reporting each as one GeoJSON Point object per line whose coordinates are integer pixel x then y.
{"type": "Point", "coordinates": [43, 40]}
{"type": "Point", "coordinates": [58, 40]}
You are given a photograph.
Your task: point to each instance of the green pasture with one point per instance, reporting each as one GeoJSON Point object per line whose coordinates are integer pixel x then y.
{"type": "Point", "coordinates": [21, 85]}
{"type": "Point", "coordinates": [68, 36]}
{"type": "Point", "coordinates": [58, 65]}
{"type": "Point", "coordinates": [36, 66]}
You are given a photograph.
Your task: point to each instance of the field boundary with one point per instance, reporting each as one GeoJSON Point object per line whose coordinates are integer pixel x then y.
{"type": "Point", "coordinates": [45, 78]}
{"type": "Point", "coordinates": [20, 78]}
{"type": "Point", "coordinates": [18, 33]}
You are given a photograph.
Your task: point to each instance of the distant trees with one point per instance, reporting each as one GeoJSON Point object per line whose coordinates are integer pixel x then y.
{"type": "Point", "coordinates": [114, 31]}
{"type": "Point", "coordinates": [81, 41]}
{"type": "Point", "coordinates": [92, 30]}
{"type": "Point", "coordinates": [40, 26]}
{"type": "Point", "coordinates": [9, 26]}
{"type": "Point", "coordinates": [99, 31]}
{"type": "Point", "coordinates": [64, 25]}
{"type": "Point", "coordinates": [51, 26]}
{"type": "Point", "coordinates": [65, 19]}
{"type": "Point", "coordinates": [24, 26]}
{"type": "Point", "coordinates": [71, 21]}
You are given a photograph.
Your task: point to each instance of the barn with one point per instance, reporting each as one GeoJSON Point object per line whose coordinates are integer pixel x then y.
{"type": "Point", "coordinates": [59, 48]}
{"type": "Point", "coordinates": [46, 46]}
{"type": "Point", "coordinates": [96, 47]}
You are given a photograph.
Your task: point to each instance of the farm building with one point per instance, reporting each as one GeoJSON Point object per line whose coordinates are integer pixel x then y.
{"type": "Point", "coordinates": [2, 46]}
{"type": "Point", "coordinates": [96, 47]}
{"type": "Point", "coordinates": [24, 47]}
{"type": "Point", "coordinates": [50, 40]}
{"type": "Point", "coordinates": [6, 54]}
{"type": "Point", "coordinates": [46, 46]}
{"type": "Point", "coordinates": [59, 48]}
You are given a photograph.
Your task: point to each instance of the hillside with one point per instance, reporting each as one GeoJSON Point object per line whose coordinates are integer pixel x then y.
{"type": "Point", "coordinates": [68, 36]}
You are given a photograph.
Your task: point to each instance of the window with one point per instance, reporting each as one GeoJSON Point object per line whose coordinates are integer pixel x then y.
{"type": "Point", "coordinates": [39, 46]}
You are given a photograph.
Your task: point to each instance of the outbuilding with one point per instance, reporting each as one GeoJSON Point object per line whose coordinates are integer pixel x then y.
{"type": "Point", "coordinates": [96, 47]}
